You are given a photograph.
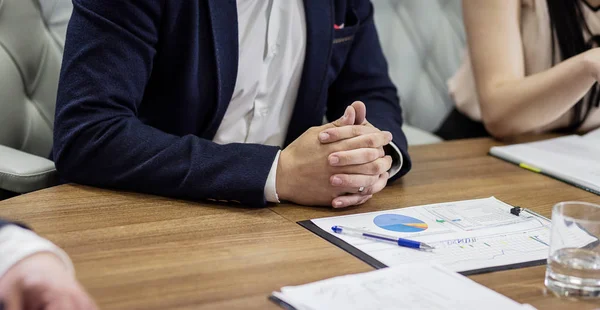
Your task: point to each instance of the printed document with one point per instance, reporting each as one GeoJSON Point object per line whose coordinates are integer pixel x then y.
{"type": "Point", "coordinates": [416, 286]}
{"type": "Point", "coordinates": [573, 159]}
{"type": "Point", "coordinates": [467, 235]}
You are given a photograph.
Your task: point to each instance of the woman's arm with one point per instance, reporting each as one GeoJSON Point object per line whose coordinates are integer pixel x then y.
{"type": "Point", "coordinates": [512, 103]}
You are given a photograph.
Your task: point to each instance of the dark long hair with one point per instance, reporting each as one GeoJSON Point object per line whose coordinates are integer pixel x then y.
{"type": "Point", "coordinates": [568, 24]}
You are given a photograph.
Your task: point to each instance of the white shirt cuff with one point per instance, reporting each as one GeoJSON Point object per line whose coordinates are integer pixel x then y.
{"type": "Point", "coordinates": [270, 186]}
{"type": "Point", "coordinates": [397, 164]}
{"type": "Point", "coordinates": [17, 243]}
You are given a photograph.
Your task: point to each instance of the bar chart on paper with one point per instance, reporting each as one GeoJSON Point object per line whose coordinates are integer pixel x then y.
{"type": "Point", "coordinates": [468, 236]}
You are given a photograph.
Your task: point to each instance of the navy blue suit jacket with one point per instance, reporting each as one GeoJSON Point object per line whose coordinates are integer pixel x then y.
{"type": "Point", "coordinates": [145, 84]}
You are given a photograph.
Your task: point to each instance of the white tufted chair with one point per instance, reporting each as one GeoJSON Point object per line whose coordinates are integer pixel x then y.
{"type": "Point", "coordinates": [424, 42]}
{"type": "Point", "coordinates": [31, 44]}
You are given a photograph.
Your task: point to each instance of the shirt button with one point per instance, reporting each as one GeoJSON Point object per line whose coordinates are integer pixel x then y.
{"type": "Point", "coordinates": [263, 111]}
{"type": "Point", "coordinates": [273, 50]}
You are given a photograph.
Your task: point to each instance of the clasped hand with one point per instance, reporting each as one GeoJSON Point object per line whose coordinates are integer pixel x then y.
{"type": "Point", "coordinates": [330, 164]}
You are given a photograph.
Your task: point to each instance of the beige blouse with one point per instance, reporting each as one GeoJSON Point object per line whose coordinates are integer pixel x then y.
{"type": "Point", "coordinates": [537, 42]}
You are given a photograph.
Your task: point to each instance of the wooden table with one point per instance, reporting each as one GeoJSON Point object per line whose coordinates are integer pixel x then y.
{"type": "Point", "coordinates": [134, 251]}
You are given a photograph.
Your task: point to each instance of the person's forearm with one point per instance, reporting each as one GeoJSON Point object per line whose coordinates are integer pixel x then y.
{"type": "Point", "coordinates": [99, 138]}
{"type": "Point", "coordinates": [17, 243]}
{"type": "Point", "coordinates": [126, 154]}
{"type": "Point", "coordinates": [515, 107]}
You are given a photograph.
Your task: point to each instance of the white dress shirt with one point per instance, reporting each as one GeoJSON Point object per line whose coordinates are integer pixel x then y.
{"type": "Point", "coordinates": [17, 243]}
{"type": "Point", "coordinates": [272, 47]}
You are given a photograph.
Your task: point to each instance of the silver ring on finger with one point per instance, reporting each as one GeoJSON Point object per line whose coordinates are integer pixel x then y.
{"type": "Point", "coordinates": [361, 189]}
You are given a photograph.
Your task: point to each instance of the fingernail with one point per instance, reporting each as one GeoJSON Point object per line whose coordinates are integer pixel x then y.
{"type": "Point", "coordinates": [338, 203]}
{"type": "Point", "coordinates": [323, 136]}
{"type": "Point", "coordinates": [336, 181]}
{"type": "Point", "coordinates": [346, 112]}
{"type": "Point", "coordinates": [389, 136]}
{"type": "Point", "coordinates": [333, 160]}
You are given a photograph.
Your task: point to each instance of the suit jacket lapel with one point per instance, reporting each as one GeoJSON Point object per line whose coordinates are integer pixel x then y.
{"type": "Point", "coordinates": [224, 23]}
{"type": "Point", "coordinates": [319, 35]}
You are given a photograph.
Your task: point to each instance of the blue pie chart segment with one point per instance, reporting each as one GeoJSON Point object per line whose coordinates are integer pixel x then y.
{"type": "Point", "coordinates": [399, 223]}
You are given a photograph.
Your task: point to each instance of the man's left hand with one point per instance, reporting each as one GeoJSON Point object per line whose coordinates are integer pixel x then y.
{"type": "Point", "coordinates": [353, 162]}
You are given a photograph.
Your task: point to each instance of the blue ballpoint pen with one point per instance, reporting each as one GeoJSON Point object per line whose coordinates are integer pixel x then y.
{"type": "Point", "coordinates": [367, 234]}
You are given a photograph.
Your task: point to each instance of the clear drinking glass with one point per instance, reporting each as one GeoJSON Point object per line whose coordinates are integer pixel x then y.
{"type": "Point", "coordinates": [574, 260]}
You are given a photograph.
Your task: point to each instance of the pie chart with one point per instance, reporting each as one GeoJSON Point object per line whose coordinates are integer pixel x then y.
{"type": "Point", "coordinates": [399, 223]}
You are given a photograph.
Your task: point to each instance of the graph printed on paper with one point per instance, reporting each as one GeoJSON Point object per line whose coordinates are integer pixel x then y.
{"type": "Point", "coordinates": [467, 235]}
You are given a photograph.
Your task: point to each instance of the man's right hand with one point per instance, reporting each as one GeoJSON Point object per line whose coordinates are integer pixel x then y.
{"type": "Point", "coordinates": [42, 282]}
{"type": "Point", "coordinates": [305, 175]}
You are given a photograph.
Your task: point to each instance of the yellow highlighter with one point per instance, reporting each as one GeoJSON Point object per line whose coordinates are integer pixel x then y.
{"type": "Point", "coordinates": [530, 168]}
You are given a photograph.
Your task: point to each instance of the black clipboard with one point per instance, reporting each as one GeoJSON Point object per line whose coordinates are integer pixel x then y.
{"type": "Point", "coordinates": [308, 224]}
{"type": "Point", "coordinates": [281, 303]}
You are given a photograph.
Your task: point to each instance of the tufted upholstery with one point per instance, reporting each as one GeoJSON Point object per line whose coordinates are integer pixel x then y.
{"type": "Point", "coordinates": [31, 44]}
{"type": "Point", "coordinates": [56, 14]}
{"type": "Point", "coordinates": [424, 42]}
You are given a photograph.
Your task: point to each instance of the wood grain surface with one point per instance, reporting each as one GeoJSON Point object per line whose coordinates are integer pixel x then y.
{"type": "Point", "coordinates": [134, 251]}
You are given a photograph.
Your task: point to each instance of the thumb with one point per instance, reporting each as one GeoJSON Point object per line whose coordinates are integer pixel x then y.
{"type": "Point", "coordinates": [348, 118]}
{"type": "Point", "coordinates": [361, 112]}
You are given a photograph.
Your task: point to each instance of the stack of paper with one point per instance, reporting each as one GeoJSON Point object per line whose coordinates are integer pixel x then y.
{"type": "Point", "coordinates": [419, 286]}
{"type": "Point", "coordinates": [572, 159]}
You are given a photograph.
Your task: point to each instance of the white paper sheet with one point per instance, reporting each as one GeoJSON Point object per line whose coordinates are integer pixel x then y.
{"type": "Point", "coordinates": [572, 158]}
{"type": "Point", "coordinates": [594, 134]}
{"type": "Point", "coordinates": [468, 235]}
{"type": "Point", "coordinates": [416, 286]}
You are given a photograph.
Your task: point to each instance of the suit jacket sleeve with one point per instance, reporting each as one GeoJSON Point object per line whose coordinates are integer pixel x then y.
{"type": "Point", "coordinates": [100, 141]}
{"type": "Point", "coordinates": [6, 223]}
{"type": "Point", "coordinates": [365, 77]}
